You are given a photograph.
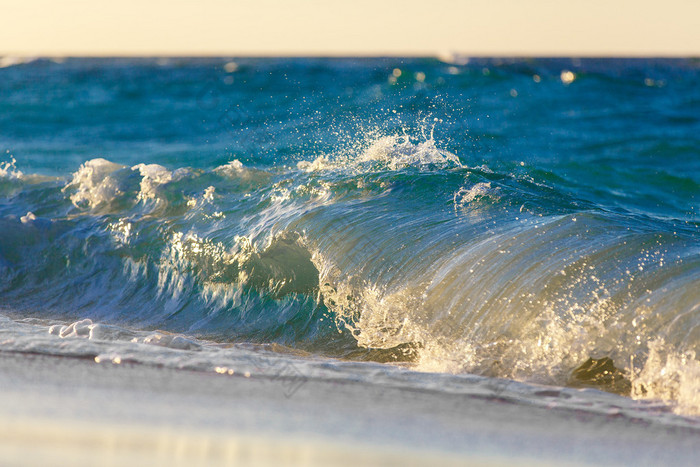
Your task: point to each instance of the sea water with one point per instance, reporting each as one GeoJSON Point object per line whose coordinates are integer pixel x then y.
{"type": "Point", "coordinates": [483, 225]}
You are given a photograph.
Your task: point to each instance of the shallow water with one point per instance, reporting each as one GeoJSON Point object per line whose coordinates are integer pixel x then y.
{"type": "Point", "coordinates": [517, 219]}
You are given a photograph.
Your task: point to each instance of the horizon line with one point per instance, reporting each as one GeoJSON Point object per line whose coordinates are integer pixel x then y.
{"type": "Point", "coordinates": [443, 56]}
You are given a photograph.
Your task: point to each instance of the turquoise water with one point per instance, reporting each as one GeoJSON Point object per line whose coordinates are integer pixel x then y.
{"type": "Point", "coordinates": [536, 220]}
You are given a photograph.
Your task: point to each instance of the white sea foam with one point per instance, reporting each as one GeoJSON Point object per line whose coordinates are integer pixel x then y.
{"type": "Point", "coordinates": [399, 152]}
{"type": "Point", "coordinates": [8, 170]}
{"type": "Point", "coordinates": [99, 182]}
{"type": "Point", "coordinates": [93, 183]}
{"type": "Point", "coordinates": [464, 196]}
{"type": "Point", "coordinates": [121, 230]}
{"type": "Point", "coordinates": [189, 258]}
{"type": "Point", "coordinates": [389, 152]}
{"type": "Point", "coordinates": [234, 167]}
{"type": "Point", "coordinates": [87, 329]}
{"type": "Point", "coordinates": [152, 177]}
{"type": "Point", "coordinates": [671, 376]}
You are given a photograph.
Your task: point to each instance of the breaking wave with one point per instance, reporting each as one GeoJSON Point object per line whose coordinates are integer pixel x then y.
{"type": "Point", "coordinates": [394, 251]}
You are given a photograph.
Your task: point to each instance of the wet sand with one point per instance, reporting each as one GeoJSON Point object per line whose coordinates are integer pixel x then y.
{"type": "Point", "coordinates": [71, 411]}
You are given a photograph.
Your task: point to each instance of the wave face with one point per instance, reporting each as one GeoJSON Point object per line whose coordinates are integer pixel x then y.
{"type": "Point", "coordinates": [532, 220]}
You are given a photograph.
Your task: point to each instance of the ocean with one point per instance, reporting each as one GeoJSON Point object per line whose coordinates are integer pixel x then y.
{"type": "Point", "coordinates": [502, 226]}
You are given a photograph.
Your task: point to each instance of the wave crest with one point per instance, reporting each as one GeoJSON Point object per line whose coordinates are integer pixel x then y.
{"type": "Point", "coordinates": [387, 153]}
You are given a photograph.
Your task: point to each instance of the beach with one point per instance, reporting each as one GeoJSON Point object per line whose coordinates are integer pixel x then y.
{"type": "Point", "coordinates": [70, 411]}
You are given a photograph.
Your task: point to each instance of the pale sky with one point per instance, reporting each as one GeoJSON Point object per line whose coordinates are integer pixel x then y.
{"type": "Point", "coordinates": [350, 27]}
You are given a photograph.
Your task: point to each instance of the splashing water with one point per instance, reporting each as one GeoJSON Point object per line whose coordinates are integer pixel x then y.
{"type": "Point", "coordinates": [544, 239]}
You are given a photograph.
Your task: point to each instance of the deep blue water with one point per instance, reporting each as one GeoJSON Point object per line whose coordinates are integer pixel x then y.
{"type": "Point", "coordinates": [508, 218]}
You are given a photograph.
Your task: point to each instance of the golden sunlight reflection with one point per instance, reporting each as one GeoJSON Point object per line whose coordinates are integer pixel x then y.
{"type": "Point", "coordinates": [567, 77]}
